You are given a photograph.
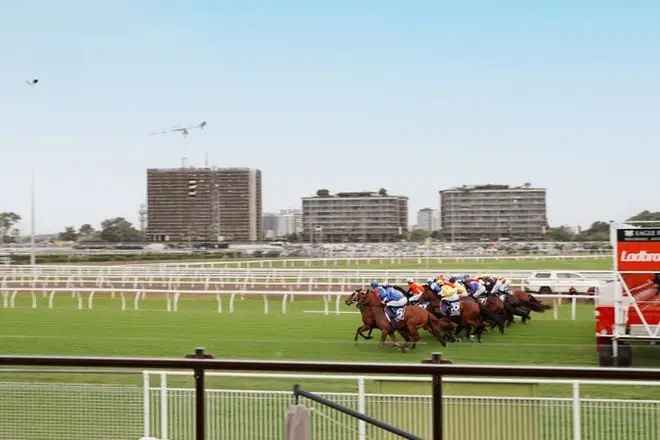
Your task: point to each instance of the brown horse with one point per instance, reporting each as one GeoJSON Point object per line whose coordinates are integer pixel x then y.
{"type": "Point", "coordinates": [493, 311]}
{"type": "Point", "coordinates": [368, 319]}
{"type": "Point", "coordinates": [469, 319]}
{"type": "Point", "coordinates": [527, 300]}
{"type": "Point", "coordinates": [414, 317]}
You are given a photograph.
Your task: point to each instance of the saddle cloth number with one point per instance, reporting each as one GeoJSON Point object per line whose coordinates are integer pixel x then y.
{"type": "Point", "coordinates": [455, 308]}
{"type": "Point", "coordinates": [483, 300]}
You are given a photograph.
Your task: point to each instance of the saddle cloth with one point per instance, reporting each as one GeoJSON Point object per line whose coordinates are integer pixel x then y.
{"type": "Point", "coordinates": [399, 313]}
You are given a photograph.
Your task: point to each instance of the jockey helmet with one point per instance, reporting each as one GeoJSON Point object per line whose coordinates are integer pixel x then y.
{"type": "Point", "coordinates": [410, 281]}
{"type": "Point", "coordinates": [452, 280]}
{"type": "Point", "coordinates": [374, 284]}
{"type": "Point", "coordinates": [385, 284]}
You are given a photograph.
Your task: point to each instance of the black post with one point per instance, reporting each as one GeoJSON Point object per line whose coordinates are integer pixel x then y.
{"type": "Point", "coordinates": [200, 402]}
{"type": "Point", "coordinates": [200, 410]}
{"type": "Point", "coordinates": [437, 399]}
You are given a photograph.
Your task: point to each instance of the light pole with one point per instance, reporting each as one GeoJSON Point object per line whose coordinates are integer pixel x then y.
{"type": "Point", "coordinates": [32, 223]}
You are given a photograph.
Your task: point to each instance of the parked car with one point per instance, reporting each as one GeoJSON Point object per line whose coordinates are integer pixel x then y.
{"type": "Point", "coordinates": [560, 282]}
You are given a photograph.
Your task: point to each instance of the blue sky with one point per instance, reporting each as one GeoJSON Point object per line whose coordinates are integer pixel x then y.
{"type": "Point", "coordinates": [410, 96]}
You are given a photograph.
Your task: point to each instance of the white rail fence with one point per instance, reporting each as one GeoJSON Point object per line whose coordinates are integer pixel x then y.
{"type": "Point", "coordinates": [394, 260]}
{"type": "Point", "coordinates": [172, 298]}
{"type": "Point", "coordinates": [36, 411]}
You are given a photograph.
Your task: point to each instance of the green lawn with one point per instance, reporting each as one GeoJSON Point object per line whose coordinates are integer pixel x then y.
{"type": "Point", "coordinates": [248, 333]}
{"type": "Point", "coordinates": [595, 263]}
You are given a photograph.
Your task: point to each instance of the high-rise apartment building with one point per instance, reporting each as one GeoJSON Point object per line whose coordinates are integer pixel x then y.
{"type": "Point", "coordinates": [354, 217]}
{"type": "Point", "coordinates": [426, 219]}
{"type": "Point", "coordinates": [204, 204]}
{"type": "Point", "coordinates": [492, 212]}
{"type": "Point", "coordinates": [270, 222]}
{"type": "Point", "coordinates": [289, 222]}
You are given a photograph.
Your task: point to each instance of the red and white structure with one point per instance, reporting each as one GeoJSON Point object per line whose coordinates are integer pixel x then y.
{"type": "Point", "coordinates": [628, 308]}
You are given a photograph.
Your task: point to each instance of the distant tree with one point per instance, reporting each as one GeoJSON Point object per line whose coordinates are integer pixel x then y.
{"type": "Point", "coordinates": [119, 229]}
{"type": "Point", "coordinates": [562, 233]}
{"type": "Point", "coordinates": [7, 222]}
{"type": "Point", "coordinates": [69, 234]}
{"type": "Point", "coordinates": [646, 216]}
{"type": "Point", "coordinates": [382, 192]}
{"type": "Point", "coordinates": [419, 235]}
{"type": "Point", "coordinates": [294, 237]}
{"type": "Point", "coordinates": [437, 234]}
{"type": "Point", "coordinates": [86, 229]}
{"type": "Point", "coordinates": [598, 231]}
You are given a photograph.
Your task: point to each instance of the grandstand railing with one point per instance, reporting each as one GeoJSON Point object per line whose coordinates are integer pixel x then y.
{"type": "Point", "coordinates": [438, 372]}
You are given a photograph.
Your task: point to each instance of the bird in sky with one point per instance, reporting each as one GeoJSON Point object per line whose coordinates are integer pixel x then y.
{"type": "Point", "coordinates": [32, 82]}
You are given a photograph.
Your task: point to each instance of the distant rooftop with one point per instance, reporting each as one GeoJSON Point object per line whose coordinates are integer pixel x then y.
{"type": "Point", "coordinates": [324, 193]}
{"type": "Point", "coordinates": [204, 169]}
{"type": "Point", "coordinates": [492, 187]}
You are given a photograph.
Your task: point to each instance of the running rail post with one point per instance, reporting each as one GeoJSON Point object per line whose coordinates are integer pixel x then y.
{"type": "Point", "coordinates": [437, 399]}
{"type": "Point", "coordinates": [200, 410]}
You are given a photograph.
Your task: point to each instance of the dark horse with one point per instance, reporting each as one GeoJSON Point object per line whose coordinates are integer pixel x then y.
{"type": "Point", "coordinates": [414, 317]}
{"type": "Point", "coordinates": [527, 300]}
{"type": "Point", "coordinates": [469, 319]}
{"type": "Point", "coordinates": [493, 311]}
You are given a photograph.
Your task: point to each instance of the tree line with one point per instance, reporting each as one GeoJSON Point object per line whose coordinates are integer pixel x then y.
{"type": "Point", "coordinates": [116, 229]}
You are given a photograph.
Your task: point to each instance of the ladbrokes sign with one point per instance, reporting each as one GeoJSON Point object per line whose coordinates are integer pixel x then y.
{"type": "Point", "coordinates": [638, 250]}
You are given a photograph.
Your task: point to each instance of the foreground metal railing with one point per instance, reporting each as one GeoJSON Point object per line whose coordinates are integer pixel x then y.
{"type": "Point", "coordinates": [298, 392]}
{"type": "Point", "coordinates": [200, 364]}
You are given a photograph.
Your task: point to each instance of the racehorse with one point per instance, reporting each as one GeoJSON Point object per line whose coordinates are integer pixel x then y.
{"type": "Point", "coordinates": [469, 318]}
{"type": "Point", "coordinates": [527, 300]}
{"type": "Point", "coordinates": [513, 307]}
{"type": "Point", "coordinates": [368, 319]}
{"type": "Point", "coordinates": [493, 311]}
{"type": "Point", "coordinates": [414, 317]}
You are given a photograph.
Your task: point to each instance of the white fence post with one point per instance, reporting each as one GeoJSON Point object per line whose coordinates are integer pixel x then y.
{"type": "Point", "coordinates": [577, 425]}
{"type": "Point", "coordinates": [362, 407]}
{"type": "Point", "coordinates": [573, 302]}
{"type": "Point", "coordinates": [147, 409]}
{"type": "Point", "coordinates": [163, 406]}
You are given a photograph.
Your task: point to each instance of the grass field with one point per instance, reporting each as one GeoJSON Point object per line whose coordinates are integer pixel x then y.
{"type": "Point", "coordinates": [248, 333]}
{"type": "Point", "coordinates": [298, 335]}
{"type": "Point", "coordinates": [596, 263]}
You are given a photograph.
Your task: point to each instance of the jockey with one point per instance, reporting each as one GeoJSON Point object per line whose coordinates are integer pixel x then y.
{"type": "Point", "coordinates": [435, 286]}
{"type": "Point", "coordinates": [448, 294]}
{"type": "Point", "coordinates": [449, 291]}
{"type": "Point", "coordinates": [415, 290]}
{"type": "Point", "coordinates": [475, 288]}
{"type": "Point", "coordinates": [460, 287]}
{"type": "Point", "coordinates": [500, 286]}
{"type": "Point", "coordinates": [392, 298]}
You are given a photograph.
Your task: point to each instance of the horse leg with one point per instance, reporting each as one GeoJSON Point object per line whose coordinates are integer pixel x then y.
{"type": "Point", "coordinates": [413, 334]}
{"type": "Point", "coordinates": [359, 331]}
{"type": "Point", "coordinates": [478, 330]}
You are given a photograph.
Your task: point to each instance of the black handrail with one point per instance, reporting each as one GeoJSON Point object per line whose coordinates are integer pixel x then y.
{"type": "Point", "coordinates": [200, 363]}
{"type": "Point", "coordinates": [297, 392]}
{"type": "Point", "coordinates": [339, 367]}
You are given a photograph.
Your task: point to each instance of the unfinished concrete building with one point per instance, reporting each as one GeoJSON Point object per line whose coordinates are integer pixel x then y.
{"type": "Point", "coordinates": [204, 204]}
